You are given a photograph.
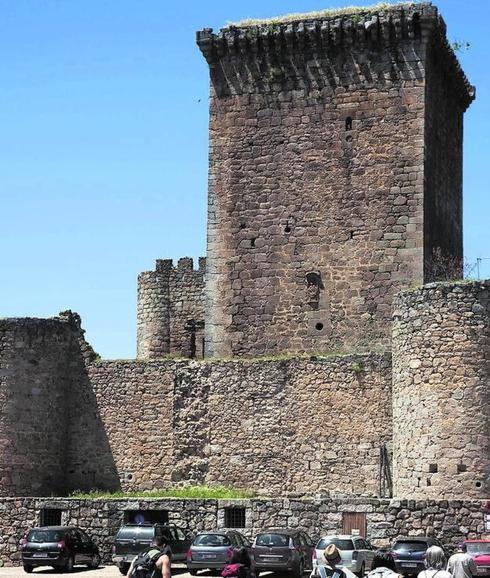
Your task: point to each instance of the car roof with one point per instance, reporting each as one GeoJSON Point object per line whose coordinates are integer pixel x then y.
{"type": "Point", "coordinates": [415, 539]}
{"type": "Point", "coordinates": [287, 531]}
{"type": "Point", "coordinates": [477, 541]}
{"type": "Point", "coordinates": [215, 531]}
{"type": "Point", "coordinates": [56, 528]}
{"type": "Point", "coordinates": [341, 536]}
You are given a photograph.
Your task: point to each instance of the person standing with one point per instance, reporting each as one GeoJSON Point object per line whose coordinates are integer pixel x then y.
{"type": "Point", "coordinates": [435, 564]}
{"type": "Point", "coordinates": [461, 564]}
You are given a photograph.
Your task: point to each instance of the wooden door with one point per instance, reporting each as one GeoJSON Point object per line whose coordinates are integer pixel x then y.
{"type": "Point", "coordinates": [354, 523]}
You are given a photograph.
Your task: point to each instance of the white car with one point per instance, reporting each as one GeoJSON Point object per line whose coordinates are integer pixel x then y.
{"type": "Point", "coordinates": [356, 552]}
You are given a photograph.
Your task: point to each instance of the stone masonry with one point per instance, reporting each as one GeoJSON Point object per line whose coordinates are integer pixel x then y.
{"type": "Point", "coordinates": [171, 310]}
{"type": "Point", "coordinates": [449, 521]}
{"type": "Point", "coordinates": [441, 390]}
{"type": "Point", "coordinates": [329, 188]}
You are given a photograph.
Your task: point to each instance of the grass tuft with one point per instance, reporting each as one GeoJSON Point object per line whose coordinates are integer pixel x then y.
{"type": "Point", "coordinates": [196, 492]}
{"type": "Point", "coordinates": [331, 12]}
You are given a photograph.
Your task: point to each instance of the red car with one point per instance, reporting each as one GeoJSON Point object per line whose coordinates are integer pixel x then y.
{"type": "Point", "coordinates": [479, 550]}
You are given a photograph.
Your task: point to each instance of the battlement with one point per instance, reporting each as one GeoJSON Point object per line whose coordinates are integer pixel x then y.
{"type": "Point", "coordinates": [171, 309]}
{"type": "Point", "coordinates": [285, 46]}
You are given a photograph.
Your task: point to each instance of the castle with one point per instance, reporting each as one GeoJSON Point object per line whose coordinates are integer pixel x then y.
{"type": "Point", "coordinates": [333, 365]}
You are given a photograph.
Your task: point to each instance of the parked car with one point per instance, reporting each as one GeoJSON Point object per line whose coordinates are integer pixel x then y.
{"type": "Point", "coordinates": [213, 550]}
{"type": "Point", "coordinates": [132, 539]}
{"type": "Point", "coordinates": [480, 551]}
{"type": "Point", "coordinates": [356, 552]}
{"type": "Point", "coordinates": [61, 547]}
{"type": "Point", "coordinates": [282, 550]}
{"type": "Point", "coordinates": [409, 553]}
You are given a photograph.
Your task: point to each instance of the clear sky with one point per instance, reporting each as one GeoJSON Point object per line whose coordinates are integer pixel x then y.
{"type": "Point", "coordinates": [103, 147]}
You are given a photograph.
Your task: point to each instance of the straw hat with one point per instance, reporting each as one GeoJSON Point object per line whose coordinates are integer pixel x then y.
{"type": "Point", "coordinates": [332, 554]}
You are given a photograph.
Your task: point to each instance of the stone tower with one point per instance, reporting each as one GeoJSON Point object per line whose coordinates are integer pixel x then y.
{"type": "Point", "coordinates": [335, 175]}
{"type": "Point", "coordinates": [441, 391]}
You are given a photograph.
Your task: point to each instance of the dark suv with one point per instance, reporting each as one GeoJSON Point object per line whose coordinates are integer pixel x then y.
{"type": "Point", "coordinates": [282, 550]}
{"type": "Point", "coordinates": [60, 547]}
{"type": "Point", "coordinates": [409, 553]}
{"type": "Point", "coordinates": [134, 538]}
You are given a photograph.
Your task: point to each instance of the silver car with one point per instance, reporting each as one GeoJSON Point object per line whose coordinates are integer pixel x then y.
{"type": "Point", "coordinates": [356, 552]}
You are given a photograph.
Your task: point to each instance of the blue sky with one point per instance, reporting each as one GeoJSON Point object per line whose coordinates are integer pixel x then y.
{"type": "Point", "coordinates": [103, 147]}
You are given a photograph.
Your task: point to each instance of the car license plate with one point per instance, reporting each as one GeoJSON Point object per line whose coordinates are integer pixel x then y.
{"type": "Point", "coordinates": [269, 558]}
{"type": "Point", "coordinates": [409, 564]}
{"type": "Point", "coordinates": [209, 556]}
{"type": "Point", "coordinates": [40, 555]}
{"type": "Point", "coordinates": [483, 570]}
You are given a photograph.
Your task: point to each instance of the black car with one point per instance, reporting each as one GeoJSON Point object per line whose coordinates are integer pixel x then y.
{"type": "Point", "coordinates": [132, 539]}
{"type": "Point", "coordinates": [213, 549]}
{"type": "Point", "coordinates": [409, 553]}
{"type": "Point", "coordinates": [61, 547]}
{"type": "Point", "coordinates": [282, 550]}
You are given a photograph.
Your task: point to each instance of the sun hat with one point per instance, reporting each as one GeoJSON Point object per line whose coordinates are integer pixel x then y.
{"type": "Point", "coordinates": [332, 554]}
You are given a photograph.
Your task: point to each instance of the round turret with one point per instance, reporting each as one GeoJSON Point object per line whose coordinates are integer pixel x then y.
{"type": "Point", "coordinates": [441, 391]}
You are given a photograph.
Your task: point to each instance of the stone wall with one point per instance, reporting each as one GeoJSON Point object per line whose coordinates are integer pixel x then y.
{"type": "Point", "coordinates": [316, 182]}
{"type": "Point", "coordinates": [386, 519]}
{"type": "Point", "coordinates": [446, 102]}
{"type": "Point", "coordinates": [171, 310]}
{"type": "Point", "coordinates": [51, 437]}
{"type": "Point", "coordinates": [441, 391]}
{"type": "Point", "coordinates": [277, 426]}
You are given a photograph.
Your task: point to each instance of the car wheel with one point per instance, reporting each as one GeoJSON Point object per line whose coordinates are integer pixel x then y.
{"type": "Point", "coordinates": [28, 568]}
{"type": "Point", "coordinates": [95, 562]}
{"type": "Point", "coordinates": [123, 568]}
{"type": "Point", "coordinates": [362, 570]}
{"type": "Point", "coordinates": [192, 572]}
{"type": "Point", "coordinates": [69, 564]}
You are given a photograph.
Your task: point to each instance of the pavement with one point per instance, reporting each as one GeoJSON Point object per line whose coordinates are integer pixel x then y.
{"type": "Point", "coordinates": [104, 571]}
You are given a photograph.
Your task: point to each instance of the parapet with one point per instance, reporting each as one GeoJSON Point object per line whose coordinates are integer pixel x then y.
{"type": "Point", "coordinates": [285, 47]}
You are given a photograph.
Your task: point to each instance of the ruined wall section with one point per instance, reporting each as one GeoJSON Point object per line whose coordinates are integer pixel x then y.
{"type": "Point", "coordinates": [171, 310]}
{"type": "Point", "coordinates": [448, 95]}
{"type": "Point", "coordinates": [441, 391]}
{"type": "Point", "coordinates": [283, 426]}
{"type": "Point", "coordinates": [36, 364]}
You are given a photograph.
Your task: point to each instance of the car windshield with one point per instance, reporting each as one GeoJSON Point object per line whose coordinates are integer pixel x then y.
{"type": "Point", "coordinates": [478, 547]}
{"type": "Point", "coordinates": [136, 533]}
{"type": "Point", "coordinates": [342, 544]}
{"type": "Point", "coordinates": [410, 546]}
{"type": "Point", "coordinates": [271, 540]}
{"type": "Point", "coordinates": [44, 536]}
{"type": "Point", "coordinates": [214, 540]}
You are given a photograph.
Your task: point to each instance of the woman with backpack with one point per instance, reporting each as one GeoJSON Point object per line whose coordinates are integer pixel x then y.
{"type": "Point", "coordinates": [239, 565]}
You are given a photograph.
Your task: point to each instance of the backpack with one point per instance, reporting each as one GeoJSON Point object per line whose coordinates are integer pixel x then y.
{"type": "Point", "coordinates": [144, 565]}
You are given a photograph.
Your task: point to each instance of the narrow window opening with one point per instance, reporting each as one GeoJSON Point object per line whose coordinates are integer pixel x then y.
{"type": "Point", "coordinates": [348, 123]}
{"type": "Point", "coordinates": [235, 517]}
{"type": "Point", "coordinates": [429, 483]}
{"type": "Point", "coordinates": [351, 234]}
{"type": "Point", "coordinates": [252, 242]}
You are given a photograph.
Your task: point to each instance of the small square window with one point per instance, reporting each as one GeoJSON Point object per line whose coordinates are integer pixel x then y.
{"type": "Point", "coordinates": [235, 517]}
{"type": "Point", "coordinates": [50, 517]}
{"type": "Point", "coordinates": [433, 468]}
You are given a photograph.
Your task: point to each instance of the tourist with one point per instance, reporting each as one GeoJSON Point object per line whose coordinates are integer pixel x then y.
{"type": "Point", "coordinates": [435, 563]}
{"type": "Point", "coordinates": [461, 564]}
{"type": "Point", "coordinates": [330, 565]}
{"type": "Point", "coordinates": [383, 566]}
{"type": "Point", "coordinates": [154, 562]}
{"type": "Point", "coordinates": [239, 565]}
